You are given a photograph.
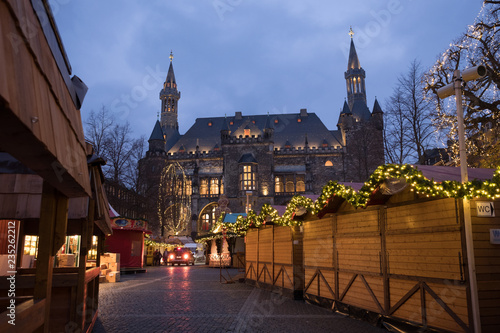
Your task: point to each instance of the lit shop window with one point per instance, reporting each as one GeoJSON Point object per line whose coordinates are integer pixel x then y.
{"type": "Point", "coordinates": [31, 245]}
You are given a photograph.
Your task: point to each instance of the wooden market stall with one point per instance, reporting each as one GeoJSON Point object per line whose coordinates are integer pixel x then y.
{"type": "Point", "coordinates": [401, 258]}
{"type": "Point", "coordinates": [75, 273]}
{"type": "Point", "coordinates": [40, 126]}
{"type": "Point", "coordinates": [128, 241]}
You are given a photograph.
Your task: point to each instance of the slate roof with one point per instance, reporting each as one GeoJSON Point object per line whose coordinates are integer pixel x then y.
{"type": "Point", "coordinates": [353, 62]}
{"type": "Point", "coordinates": [360, 109]}
{"type": "Point", "coordinates": [157, 133]}
{"type": "Point", "coordinates": [376, 107]}
{"type": "Point", "coordinates": [287, 127]}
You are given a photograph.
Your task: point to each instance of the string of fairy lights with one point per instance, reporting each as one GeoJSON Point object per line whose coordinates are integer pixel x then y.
{"type": "Point", "coordinates": [478, 45]}
{"type": "Point", "coordinates": [488, 189]}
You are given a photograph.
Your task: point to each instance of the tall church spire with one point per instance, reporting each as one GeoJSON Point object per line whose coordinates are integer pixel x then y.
{"type": "Point", "coordinates": [169, 97]}
{"type": "Point", "coordinates": [355, 82]}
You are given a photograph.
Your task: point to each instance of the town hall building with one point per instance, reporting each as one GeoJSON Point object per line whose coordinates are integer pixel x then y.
{"type": "Point", "coordinates": [253, 159]}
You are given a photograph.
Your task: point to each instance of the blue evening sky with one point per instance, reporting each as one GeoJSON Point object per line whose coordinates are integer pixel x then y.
{"type": "Point", "coordinates": [256, 56]}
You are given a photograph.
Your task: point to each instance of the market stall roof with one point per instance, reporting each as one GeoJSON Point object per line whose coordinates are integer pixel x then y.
{"type": "Point", "coordinates": [390, 187]}
{"type": "Point", "coordinates": [232, 217]}
{"type": "Point", "coordinates": [443, 173]}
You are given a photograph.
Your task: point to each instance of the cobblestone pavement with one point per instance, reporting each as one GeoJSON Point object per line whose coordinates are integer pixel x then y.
{"type": "Point", "coordinates": [192, 299]}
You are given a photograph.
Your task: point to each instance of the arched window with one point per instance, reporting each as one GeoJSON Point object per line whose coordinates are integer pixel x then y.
{"type": "Point", "coordinates": [278, 184]}
{"type": "Point", "coordinates": [328, 163]}
{"type": "Point", "coordinates": [207, 217]}
{"type": "Point", "coordinates": [300, 184]}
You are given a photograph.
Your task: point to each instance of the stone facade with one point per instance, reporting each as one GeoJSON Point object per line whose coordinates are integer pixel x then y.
{"type": "Point", "coordinates": [259, 159]}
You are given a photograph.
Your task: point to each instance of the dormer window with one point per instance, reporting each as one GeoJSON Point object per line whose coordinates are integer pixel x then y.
{"type": "Point", "coordinates": [276, 120]}
{"type": "Point", "coordinates": [209, 124]}
{"type": "Point", "coordinates": [231, 123]}
{"type": "Point", "coordinates": [299, 120]}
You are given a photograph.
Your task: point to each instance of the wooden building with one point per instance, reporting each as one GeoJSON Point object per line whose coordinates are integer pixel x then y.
{"type": "Point", "coordinates": [401, 258]}
{"type": "Point", "coordinates": [41, 129]}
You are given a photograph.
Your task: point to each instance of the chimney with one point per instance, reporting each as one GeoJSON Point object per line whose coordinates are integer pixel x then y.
{"type": "Point", "coordinates": [303, 112]}
{"type": "Point", "coordinates": [237, 115]}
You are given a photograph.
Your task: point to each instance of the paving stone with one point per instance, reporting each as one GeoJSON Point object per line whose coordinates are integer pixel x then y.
{"type": "Point", "coordinates": [192, 299]}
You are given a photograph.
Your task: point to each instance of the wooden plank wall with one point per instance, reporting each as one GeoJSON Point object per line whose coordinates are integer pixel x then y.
{"type": "Point", "coordinates": [39, 125]}
{"type": "Point", "coordinates": [251, 251]}
{"type": "Point", "coordinates": [319, 257]}
{"type": "Point", "coordinates": [424, 245]}
{"type": "Point", "coordinates": [403, 260]}
{"type": "Point", "coordinates": [265, 257]}
{"type": "Point", "coordinates": [283, 257]}
{"type": "Point", "coordinates": [487, 257]}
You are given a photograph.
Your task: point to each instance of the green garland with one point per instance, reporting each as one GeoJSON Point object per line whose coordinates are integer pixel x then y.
{"type": "Point", "coordinates": [414, 177]}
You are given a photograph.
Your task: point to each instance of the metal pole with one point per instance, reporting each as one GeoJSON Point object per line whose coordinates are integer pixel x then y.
{"type": "Point", "coordinates": [466, 203]}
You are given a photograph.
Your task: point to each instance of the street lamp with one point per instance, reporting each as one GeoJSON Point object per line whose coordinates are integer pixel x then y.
{"type": "Point", "coordinates": [455, 87]}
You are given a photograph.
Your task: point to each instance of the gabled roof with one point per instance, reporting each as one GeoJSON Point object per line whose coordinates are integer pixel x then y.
{"type": "Point", "coordinates": [157, 133]}
{"type": "Point", "coordinates": [247, 158]}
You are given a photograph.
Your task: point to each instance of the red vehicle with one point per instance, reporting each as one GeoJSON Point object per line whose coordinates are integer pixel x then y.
{"type": "Point", "coordinates": [180, 255]}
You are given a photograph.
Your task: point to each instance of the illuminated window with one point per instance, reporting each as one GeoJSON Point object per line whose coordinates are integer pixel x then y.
{"type": "Point", "coordinates": [189, 186]}
{"type": "Point", "coordinates": [275, 121]}
{"type": "Point", "coordinates": [247, 131]}
{"type": "Point", "coordinates": [231, 123]}
{"type": "Point", "coordinates": [300, 185]}
{"type": "Point", "coordinates": [289, 184]}
{"type": "Point", "coordinates": [247, 177]}
{"type": "Point", "coordinates": [278, 184]}
{"type": "Point", "coordinates": [92, 254]}
{"type": "Point", "coordinates": [208, 218]}
{"type": "Point", "coordinates": [214, 186]}
{"type": "Point", "coordinates": [209, 123]}
{"type": "Point", "coordinates": [299, 120]}
{"type": "Point", "coordinates": [31, 245]}
{"type": "Point", "coordinates": [204, 186]}
{"type": "Point", "coordinates": [328, 164]}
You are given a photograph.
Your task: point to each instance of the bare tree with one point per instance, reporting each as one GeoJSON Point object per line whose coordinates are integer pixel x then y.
{"type": "Point", "coordinates": [97, 130]}
{"type": "Point", "coordinates": [131, 176]}
{"type": "Point", "coordinates": [415, 111]}
{"type": "Point", "coordinates": [397, 143]}
{"type": "Point", "coordinates": [480, 44]}
{"type": "Point", "coordinates": [114, 143]}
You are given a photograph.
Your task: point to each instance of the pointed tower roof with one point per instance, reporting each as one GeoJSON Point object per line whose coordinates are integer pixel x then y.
{"type": "Point", "coordinates": [376, 107]}
{"type": "Point", "coordinates": [170, 76]}
{"type": "Point", "coordinates": [353, 62]}
{"type": "Point", "coordinates": [225, 125]}
{"type": "Point", "coordinates": [345, 108]}
{"type": "Point", "coordinates": [157, 133]}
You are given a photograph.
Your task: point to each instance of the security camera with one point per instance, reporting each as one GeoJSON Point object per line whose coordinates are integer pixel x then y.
{"type": "Point", "coordinates": [446, 91]}
{"type": "Point", "coordinates": [474, 73]}
{"type": "Point", "coordinates": [468, 74]}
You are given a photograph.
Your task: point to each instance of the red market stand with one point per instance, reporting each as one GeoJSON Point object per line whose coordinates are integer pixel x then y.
{"type": "Point", "coordinates": [128, 241]}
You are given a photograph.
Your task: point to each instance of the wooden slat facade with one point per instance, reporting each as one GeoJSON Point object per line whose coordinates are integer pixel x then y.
{"type": "Point", "coordinates": [40, 126]}
{"type": "Point", "coordinates": [273, 259]}
{"type": "Point", "coordinates": [405, 260]}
